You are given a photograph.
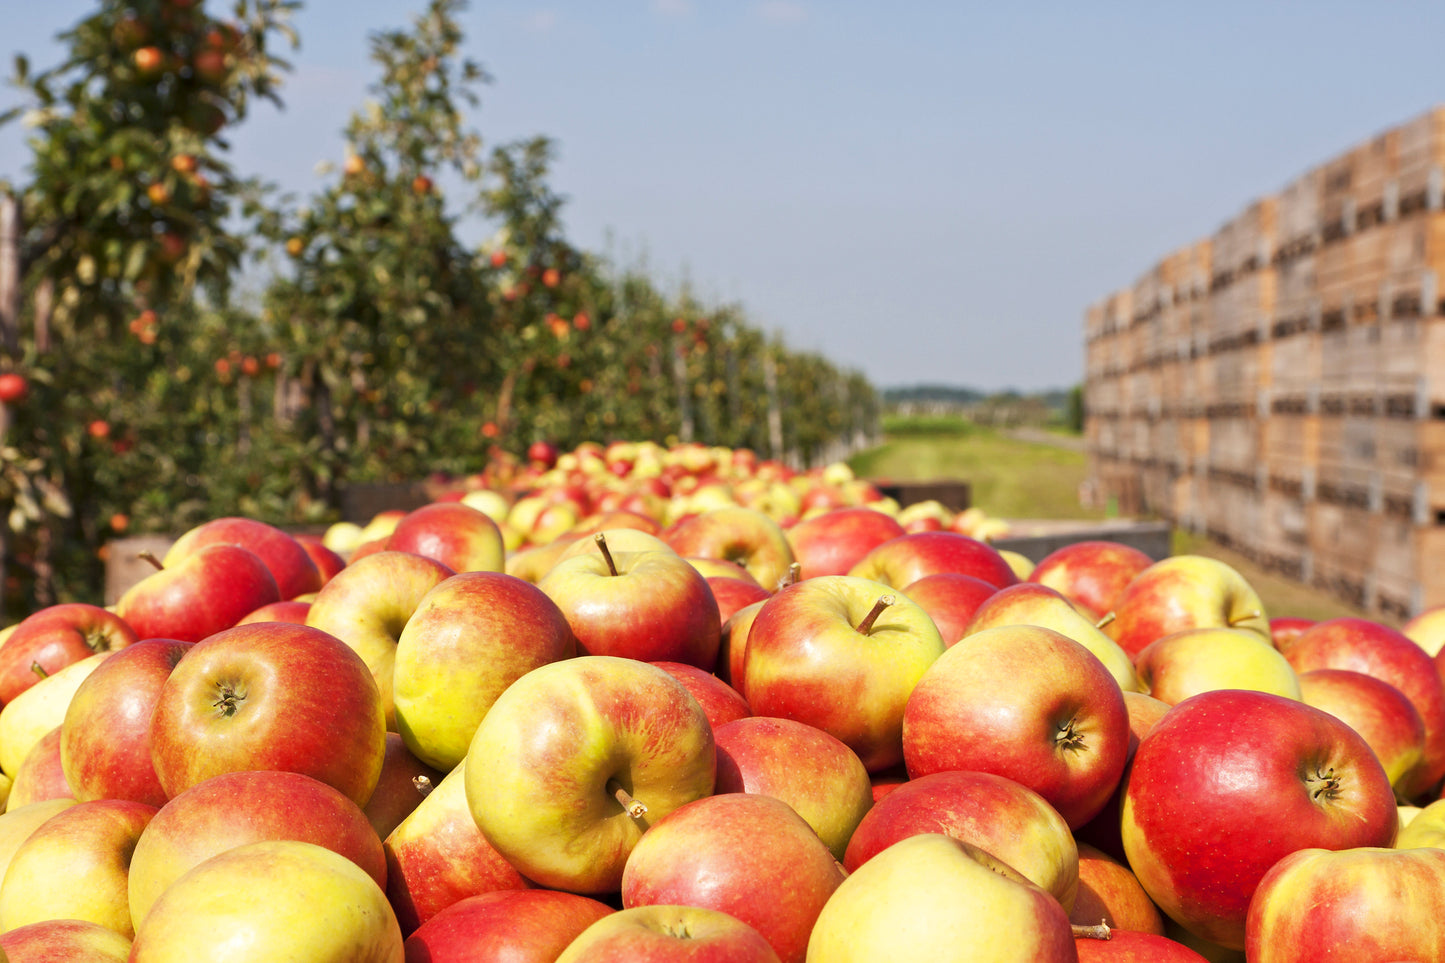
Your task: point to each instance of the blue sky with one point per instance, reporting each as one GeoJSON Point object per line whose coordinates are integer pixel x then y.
{"type": "Point", "coordinates": [924, 191]}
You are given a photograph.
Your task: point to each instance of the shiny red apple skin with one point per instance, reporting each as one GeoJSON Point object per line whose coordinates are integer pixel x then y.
{"type": "Point", "coordinates": [724, 852]}
{"type": "Point", "coordinates": [1378, 711]}
{"type": "Point", "coordinates": [732, 594]}
{"type": "Point", "coordinates": [41, 776]}
{"type": "Point", "coordinates": [106, 738]}
{"type": "Point", "coordinates": [287, 610]}
{"type": "Point", "coordinates": [207, 591]}
{"type": "Point", "coordinates": [1103, 830]}
{"type": "Point", "coordinates": [237, 808]}
{"type": "Point", "coordinates": [270, 695]}
{"type": "Point", "coordinates": [998, 815]}
{"type": "Point", "coordinates": [806, 660]}
{"type": "Point", "coordinates": [507, 926]}
{"type": "Point", "coordinates": [1184, 592]}
{"type": "Point", "coordinates": [835, 541]}
{"type": "Point", "coordinates": [462, 538]}
{"type": "Point", "coordinates": [737, 534]}
{"type": "Point", "coordinates": [327, 562]}
{"type": "Point", "coordinates": [64, 941]}
{"type": "Point", "coordinates": [655, 608]}
{"type": "Point", "coordinates": [1362, 645]}
{"type": "Point", "coordinates": [287, 560]}
{"type": "Point", "coordinates": [1027, 703]}
{"type": "Point", "coordinates": [908, 558]}
{"type": "Point", "coordinates": [1091, 573]}
{"type": "Point", "coordinates": [1284, 629]}
{"type": "Point", "coordinates": [53, 638]}
{"type": "Point", "coordinates": [733, 646]}
{"type": "Point", "coordinates": [950, 599]}
{"type": "Point", "coordinates": [1126, 946]}
{"type": "Point", "coordinates": [720, 702]}
{"type": "Point", "coordinates": [1376, 904]}
{"type": "Point", "coordinates": [437, 856]}
{"type": "Point", "coordinates": [1231, 781]}
{"type": "Point", "coordinates": [815, 773]}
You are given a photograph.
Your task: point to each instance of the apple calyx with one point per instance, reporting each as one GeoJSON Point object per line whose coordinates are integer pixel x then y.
{"type": "Point", "coordinates": [39, 670]}
{"type": "Point", "coordinates": [1324, 785]}
{"type": "Point", "coordinates": [1067, 738]}
{"type": "Point", "coordinates": [146, 555]}
{"type": "Point", "coordinates": [1097, 931]}
{"type": "Point", "coordinates": [635, 808]}
{"type": "Point", "coordinates": [423, 785]}
{"type": "Point", "coordinates": [883, 602]}
{"type": "Point", "coordinates": [795, 570]}
{"type": "Point", "coordinates": [230, 701]}
{"type": "Point", "coordinates": [601, 541]}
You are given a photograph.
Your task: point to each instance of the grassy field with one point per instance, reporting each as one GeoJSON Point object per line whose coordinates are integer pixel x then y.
{"type": "Point", "coordinates": [1038, 476]}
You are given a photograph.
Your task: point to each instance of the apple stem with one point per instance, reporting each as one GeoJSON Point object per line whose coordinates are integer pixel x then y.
{"type": "Point", "coordinates": [1108, 617]}
{"type": "Point", "coordinates": [146, 555]}
{"type": "Point", "coordinates": [1252, 614]}
{"type": "Point", "coordinates": [1098, 932]}
{"type": "Point", "coordinates": [423, 785]}
{"type": "Point", "coordinates": [601, 541]}
{"type": "Point", "coordinates": [795, 570]}
{"type": "Point", "coordinates": [39, 670]}
{"type": "Point", "coordinates": [634, 807]}
{"type": "Point", "coordinates": [883, 602]}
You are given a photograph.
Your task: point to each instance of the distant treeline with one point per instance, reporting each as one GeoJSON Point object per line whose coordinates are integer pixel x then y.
{"type": "Point", "coordinates": [1054, 399]}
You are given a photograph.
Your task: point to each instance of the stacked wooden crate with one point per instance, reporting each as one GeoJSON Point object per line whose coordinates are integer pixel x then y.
{"type": "Point", "coordinates": [1281, 385]}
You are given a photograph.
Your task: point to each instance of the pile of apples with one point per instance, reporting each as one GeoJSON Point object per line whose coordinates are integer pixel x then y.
{"type": "Point", "coordinates": [715, 738]}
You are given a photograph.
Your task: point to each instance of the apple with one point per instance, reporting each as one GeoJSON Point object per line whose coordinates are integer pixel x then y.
{"type": "Point", "coordinates": [1128, 946]}
{"type": "Point", "coordinates": [1186, 663]}
{"type": "Point", "coordinates": [652, 606]}
{"type": "Point", "coordinates": [1361, 645]}
{"type": "Point", "coordinates": [225, 708]}
{"type": "Point", "coordinates": [437, 856]}
{"type": "Point", "coordinates": [368, 604]}
{"type": "Point", "coordinates": [462, 538]}
{"type": "Point", "coordinates": [737, 534]}
{"type": "Point", "coordinates": [327, 561]}
{"type": "Point", "coordinates": [494, 504]}
{"type": "Point", "coordinates": [13, 387]}
{"type": "Point", "coordinates": [1028, 603]}
{"type": "Point", "coordinates": [1005, 819]}
{"type": "Point", "coordinates": [577, 759]}
{"type": "Point", "coordinates": [1091, 573]}
{"type": "Point", "coordinates": [288, 561]}
{"type": "Point", "coordinates": [288, 610]}
{"type": "Point", "coordinates": [74, 866]}
{"type": "Point", "coordinates": [1027, 703]}
{"type": "Point", "coordinates": [720, 702]}
{"type": "Point", "coordinates": [1103, 830]}
{"type": "Point", "coordinates": [271, 900]}
{"type": "Point", "coordinates": [840, 653]}
{"type": "Point", "coordinates": [237, 808]}
{"type": "Point", "coordinates": [669, 934]}
{"type": "Point", "coordinates": [1184, 592]}
{"type": "Point", "coordinates": [470, 637]}
{"type": "Point", "coordinates": [544, 454]}
{"type": "Point", "coordinates": [1427, 629]}
{"type": "Point", "coordinates": [1231, 781]}
{"type": "Point", "coordinates": [837, 540]}
{"type": "Point", "coordinates": [1284, 629]}
{"type": "Point", "coordinates": [105, 745]}
{"type": "Point", "coordinates": [39, 709]}
{"type": "Point", "coordinates": [208, 590]}
{"type": "Point", "coordinates": [54, 637]}
{"type": "Point", "coordinates": [516, 926]}
{"type": "Point", "coordinates": [1378, 711]}
{"type": "Point", "coordinates": [932, 897]}
{"type": "Point", "coordinates": [1110, 893]}
{"type": "Point", "coordinates": [732, 594]}
{"type": "Point", "coordinates": [815, 773]}
{"type": "Point", "coordinates": [1376, 902]}
{"type": "Point", "coordinates": [64, 941]}
{"type": "Point", "coordinates": [17, 823]}
{"type": "Point", "coordinates": [733, 645]}
{"type": "Point", "coordinates": [950, 599]}
{"type": "Point", "coordinates": [403, 783]}
{"type": "Point", "coordinates": [1424, 827]}
{"type": "Point", "coordinates": [906, 559]}
{"type": "Point", "coordinates": [41, 775]}
{"type": "Point", "coordinates": [722, 851]}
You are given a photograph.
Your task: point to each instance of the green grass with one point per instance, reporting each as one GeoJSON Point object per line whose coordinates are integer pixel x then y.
{"type": "Point", "coordinates": [1010, 478]}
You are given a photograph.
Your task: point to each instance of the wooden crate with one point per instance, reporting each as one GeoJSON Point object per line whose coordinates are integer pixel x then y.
{"type": "Point", "coordinates": [1234, 444]}
{"type": "Point", "coordinates": [1299, 216]}
{"type": "Point", "coordinates": [1422, 158]}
